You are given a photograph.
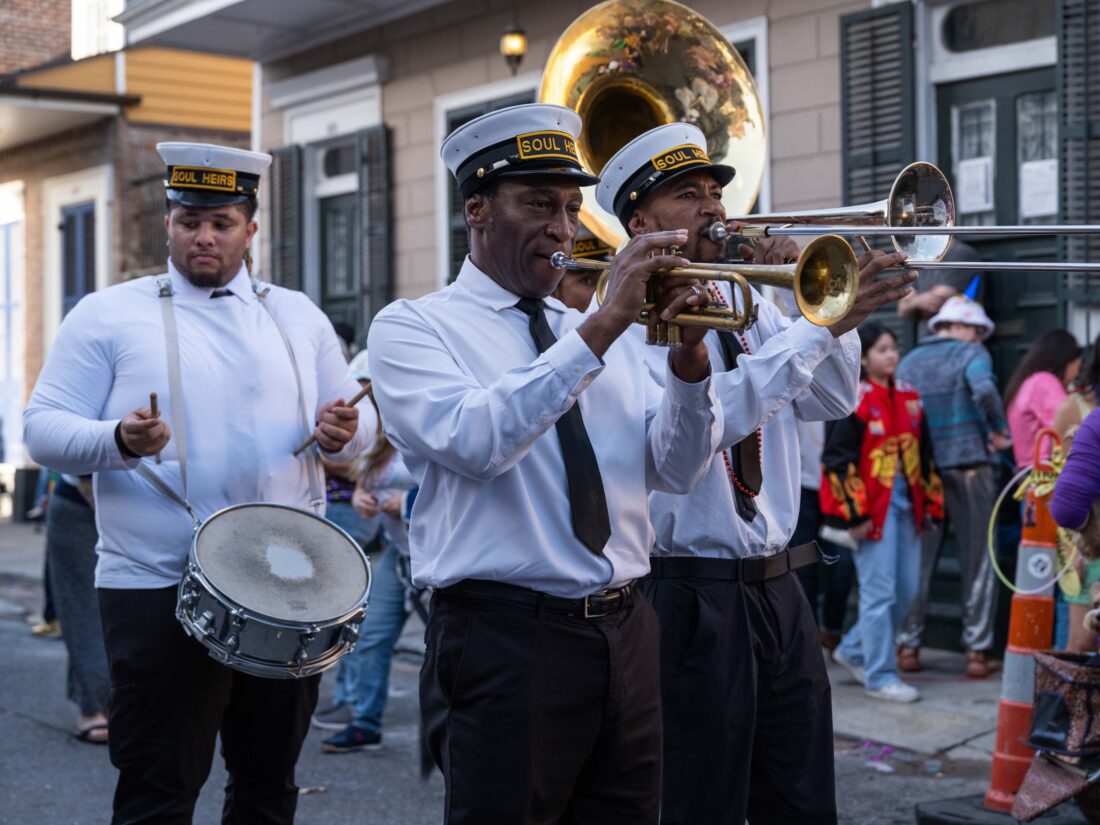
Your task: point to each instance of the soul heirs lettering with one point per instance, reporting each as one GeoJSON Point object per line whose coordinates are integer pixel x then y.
{"type": "Point", "coordinates": [678, 156]}
{"type": "Point", "coordinates": [198, 178]}
{"type": "Point", "coordinates": [546, 145]}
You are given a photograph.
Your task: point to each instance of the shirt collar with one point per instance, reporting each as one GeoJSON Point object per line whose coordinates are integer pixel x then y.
{"type": "Point", "coordinates": [484, 289]}
{"type": "Point", "coordinates": [240, 286]}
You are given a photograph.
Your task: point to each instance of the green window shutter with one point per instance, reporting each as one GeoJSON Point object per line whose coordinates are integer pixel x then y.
{"type": "Point", "coordinates": [375, 224]}
{"type": "Point", "coordinates": [877, 115]}
{"type": "Point", "coordinates": [1078, 78]}
{"type": "Point", "coordinates": [876, 66]}
{"type": "Point", "coordinates": [286, 217]}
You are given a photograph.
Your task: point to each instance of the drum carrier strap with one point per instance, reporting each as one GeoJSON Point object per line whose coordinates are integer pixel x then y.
{"type": "Point", "coordinates": [175, 384]}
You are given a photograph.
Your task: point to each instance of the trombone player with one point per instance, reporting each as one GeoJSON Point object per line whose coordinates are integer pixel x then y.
{"type": "Point", "coordinates": [745, 696]}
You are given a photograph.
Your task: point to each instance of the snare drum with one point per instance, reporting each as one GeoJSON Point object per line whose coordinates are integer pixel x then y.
{"type": "Point", "coordinates": [274, 591]}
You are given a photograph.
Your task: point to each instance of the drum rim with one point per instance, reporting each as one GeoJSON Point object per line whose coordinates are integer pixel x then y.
{"type": "Point", "coordinates": [194, 568]}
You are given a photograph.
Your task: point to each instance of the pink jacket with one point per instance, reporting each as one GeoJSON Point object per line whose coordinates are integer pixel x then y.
{"type": "Point", "coordinates": [1031, 410]}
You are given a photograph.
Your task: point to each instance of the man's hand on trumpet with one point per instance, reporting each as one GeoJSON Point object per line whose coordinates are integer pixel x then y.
{"type": "Point", "coordinates": [777, 249]}
{"type": "Point", "coordinates": [336, 425]}
{"type": "Point", "coordinates": [643, 256]}
{"type": "Point", "coordinates": [873, 294]}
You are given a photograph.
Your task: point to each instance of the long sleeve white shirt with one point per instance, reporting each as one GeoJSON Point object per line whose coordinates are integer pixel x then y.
{"type": "Point", "coordinates": [797, 371]}
{"type": "Point", "coordinates": [240, 404]}
{"type": "Point", "coordinates": [471, 404]}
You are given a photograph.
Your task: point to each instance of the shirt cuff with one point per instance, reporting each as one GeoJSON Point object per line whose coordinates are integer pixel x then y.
{"type": "Point", "coordinates": [694, 395]}
{"type": "Point", "coordinates": [116, 460]}
{"type": "Point", "coordinates": [574, 362]}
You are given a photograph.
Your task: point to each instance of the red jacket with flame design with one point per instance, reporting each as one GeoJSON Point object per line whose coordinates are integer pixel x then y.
{"type": "Point", "coordinates": [862, 455]}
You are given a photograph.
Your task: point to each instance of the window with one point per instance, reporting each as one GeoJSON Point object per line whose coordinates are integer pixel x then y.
{"type": "Point", "coordinates": [93, 29]}
{"type": "Point", "coordinates": [991, 23]}
{"type": "Point", "coordinates": [458, 236]}
{"type": "Point", "coordinates": [77, 254]}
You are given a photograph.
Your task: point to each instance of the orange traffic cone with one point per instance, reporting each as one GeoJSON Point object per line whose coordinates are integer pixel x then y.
{"type": "Point", "coordinates": [1030, 628]}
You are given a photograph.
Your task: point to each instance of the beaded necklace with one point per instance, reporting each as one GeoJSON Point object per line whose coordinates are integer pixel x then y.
{"type": "Point", "coordinates": [719, 299]}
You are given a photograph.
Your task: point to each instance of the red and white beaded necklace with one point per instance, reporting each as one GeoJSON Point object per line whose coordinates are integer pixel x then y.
{"type": "Point", "coordinates": [720, 300]}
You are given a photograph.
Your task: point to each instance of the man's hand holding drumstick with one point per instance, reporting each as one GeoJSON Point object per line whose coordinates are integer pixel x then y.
{"type": "Point", "coordinates": [142, 433]}
{"type": "Point", "coordinates": [336, 424]}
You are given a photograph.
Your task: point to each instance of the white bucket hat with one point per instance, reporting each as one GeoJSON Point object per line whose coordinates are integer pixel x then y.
{"type": "Point", "coordinates": [958, 309]}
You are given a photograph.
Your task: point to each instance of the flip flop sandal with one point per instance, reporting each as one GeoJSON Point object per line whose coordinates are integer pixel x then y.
{"type": "Point", "coordinates": [89, 734]}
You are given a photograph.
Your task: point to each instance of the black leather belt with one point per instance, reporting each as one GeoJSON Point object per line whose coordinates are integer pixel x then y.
{"type": "Point", "coordinates": [510, 598]}
{"type": "Point", "coordinates": [751, 570]}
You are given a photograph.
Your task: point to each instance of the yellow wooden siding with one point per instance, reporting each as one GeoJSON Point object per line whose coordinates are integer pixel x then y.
{"type": "Point", "coordinates": [95, 74]}
{"type": "Point", "coordinates": [189, 89]}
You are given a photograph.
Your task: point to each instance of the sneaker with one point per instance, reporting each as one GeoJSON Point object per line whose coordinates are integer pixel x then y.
{"type": "Point", "coordinates": [351, 739]}
{"type": "Point", "coordinates": [895, 692]}
{"type": "Point", "coordinates": [336, 717]}
{"type": "Point", "coordinates": [856, 671]}
{"type": "Point", "coordinates": [47, 630]}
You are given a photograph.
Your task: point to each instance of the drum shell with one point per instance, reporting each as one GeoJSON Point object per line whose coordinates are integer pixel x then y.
{"type": "Point", "coordinates": [261, 645]}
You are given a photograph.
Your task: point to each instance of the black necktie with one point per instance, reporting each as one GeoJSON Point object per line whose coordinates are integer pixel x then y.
{"type": "Point", "coordinates": [221, 293]}
{"type": "Point", "coordinates": [587, 501]}
{"type": "Point", "coordinates": [745, 455]}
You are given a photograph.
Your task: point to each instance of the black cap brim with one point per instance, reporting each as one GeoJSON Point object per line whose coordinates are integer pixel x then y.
{"type": "Point", "coordinates": [203, 199]}
{"type": "Point", "coordinates": [573, 175]}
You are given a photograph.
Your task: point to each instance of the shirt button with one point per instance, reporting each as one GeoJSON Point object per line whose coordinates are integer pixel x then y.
{"type": "Point", "coordinates": [577, 370]}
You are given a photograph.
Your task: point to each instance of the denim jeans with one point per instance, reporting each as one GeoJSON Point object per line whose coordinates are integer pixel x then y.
{"type": "Point", "coordinates": [369, 663]}
{"type": "Point", "coordinates": [888, 571]}
{"type": "Point", "coordinates": [363, 530]}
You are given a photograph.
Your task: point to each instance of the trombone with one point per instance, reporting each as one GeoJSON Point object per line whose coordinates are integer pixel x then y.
{"type": "Point", "coordinates": [918, 216]}
{"type": "Point", "coordinates": [824, 279]}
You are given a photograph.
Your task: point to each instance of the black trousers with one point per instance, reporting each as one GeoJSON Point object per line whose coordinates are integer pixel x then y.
{"type": "Point", "coordinates": [746, 704]}
{"type": "Point", "coordinates": [540, 720]}
{"type": "Point", "coordinates": [169, 701]}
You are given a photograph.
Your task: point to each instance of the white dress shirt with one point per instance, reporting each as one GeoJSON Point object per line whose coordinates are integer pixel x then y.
{"type": "Point", "coordinates": [240, 401]}
{"type": "Point", "coordinates": [796, 371]}
{"type": "Point", "coordinates": [471, 405]}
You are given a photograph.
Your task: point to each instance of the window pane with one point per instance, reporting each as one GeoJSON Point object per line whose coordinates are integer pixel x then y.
{"type": "Point", "coordinates": [991, 23]}
{"type": "Point", "coordinates": [69, 241]}
{"type": "Point", "coordinates": [1037, 156]}
{"type": "Point", "coordinates": [974, 139]}
{"type": "Point", "coordinates": [339, 160]}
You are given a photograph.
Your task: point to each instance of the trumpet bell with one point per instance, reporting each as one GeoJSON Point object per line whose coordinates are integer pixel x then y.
{"type": "Point", "coordinates": [921, 196]}
{"type": "Point", "coordinates": [627, 66]}
{"type": "Point", "coordinates": [826, 280]}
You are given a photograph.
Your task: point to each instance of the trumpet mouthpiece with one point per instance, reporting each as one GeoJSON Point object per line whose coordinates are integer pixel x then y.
{"type": "Point", "coordinates": [718, 232]}
{"type": "Point", "coordinates": [559, 260]}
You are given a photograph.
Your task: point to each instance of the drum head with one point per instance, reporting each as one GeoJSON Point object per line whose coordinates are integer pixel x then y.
{"type": "Point", "coordinates": [283, 563]}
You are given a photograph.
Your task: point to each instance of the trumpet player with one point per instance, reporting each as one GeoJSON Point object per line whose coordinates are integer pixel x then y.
{"type": "Point", "coordinates": [534, 438]}
{"type": "Point", "coordinates": [745, 695]}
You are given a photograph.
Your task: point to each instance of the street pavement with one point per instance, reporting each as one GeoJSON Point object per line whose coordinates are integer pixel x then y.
{"type": "Point", "coordinates": [888, 757]}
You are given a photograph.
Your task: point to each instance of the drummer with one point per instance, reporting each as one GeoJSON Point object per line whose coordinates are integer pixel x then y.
{"type": "Point", "coordinates": [227, 439]}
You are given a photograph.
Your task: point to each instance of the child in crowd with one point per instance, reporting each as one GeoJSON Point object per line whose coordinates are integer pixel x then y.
{"type": "Point", "coordinates": [879, 484]}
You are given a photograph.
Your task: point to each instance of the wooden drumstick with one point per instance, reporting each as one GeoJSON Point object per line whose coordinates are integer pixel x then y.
{"type": "Point", "coordinates": [156, 413]}
{"type": "Point", "coordinates": [359, 396]}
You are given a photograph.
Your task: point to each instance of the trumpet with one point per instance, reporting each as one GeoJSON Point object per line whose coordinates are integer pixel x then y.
{"type": "Point", "coordinates": [824, 280]}
{"type": "Point", "coordinates": [918, 216]}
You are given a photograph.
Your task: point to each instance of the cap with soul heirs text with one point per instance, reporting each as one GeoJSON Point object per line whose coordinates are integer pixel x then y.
{"type": "Point", "coordinates": [587, 246]}
{"type": "Point", "coordinates": [204, 175]}
{"type": "Point", "coordinates": [650, 160]}
{"type": "Point", "coordinates": [533, 139]}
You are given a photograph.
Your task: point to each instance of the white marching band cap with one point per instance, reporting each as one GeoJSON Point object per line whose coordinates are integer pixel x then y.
{"type": "Point", "coordinates": [958, 309]}
{"type": "Point", "coordinates": [206, 175]}
{"type": "Point", "coordinates": [526, 140]}
{"type": "Point", "coordinates": [651, 159]}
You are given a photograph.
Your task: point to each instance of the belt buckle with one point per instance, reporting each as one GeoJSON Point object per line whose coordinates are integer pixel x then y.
{"type": "Point", "coordinates": [588, 614]}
